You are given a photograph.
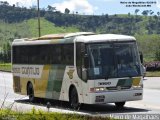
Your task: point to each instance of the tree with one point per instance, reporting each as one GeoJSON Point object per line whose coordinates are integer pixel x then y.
{"type": "Point", "coordinates": [5, 54]}
{"type": "Point", "coordinates": [51, 9]}
{"type": "Point", "coordinates": [67, 11]}
{"type": "Point", "coordinates": [151, 12]}
{"type": "Point", "coordinates": [136, 11]}
{"type": "Point", "coordinates": [4, 3]}
{"type": "Point", "coordinates": [145, 12]}
{"type": "Point", "coordinates": [157, 53]}
{"type": "Point", "coordinates": [129, 14]}
{"type": "Point", "coordinates": [14, 5]}
{"type": "Point", "coordinates": [155, 17]}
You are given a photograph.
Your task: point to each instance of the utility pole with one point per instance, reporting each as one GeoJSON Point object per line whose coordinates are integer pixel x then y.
{"type": "Point", "coordinates": [39, 27]}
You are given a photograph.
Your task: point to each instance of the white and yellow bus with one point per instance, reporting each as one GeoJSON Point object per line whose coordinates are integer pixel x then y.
{"type": "Point", "coordinates": [79, 68]}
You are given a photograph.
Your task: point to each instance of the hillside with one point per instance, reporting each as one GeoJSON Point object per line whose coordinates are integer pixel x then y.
{"type": "Point", "coordinates": [22, 22]}
{"type": "Point", "coordinates": [28, 28]}
{"type": "Point", "coordinates": [47, 27]}
{"type": "Point", "coordinates": [148, 43]}
{"type": "Point", "coordinates": [130, 24]}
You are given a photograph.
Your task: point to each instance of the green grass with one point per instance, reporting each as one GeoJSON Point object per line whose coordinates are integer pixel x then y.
{"type": "Point", "coordinates": [153, 74]}
{"type": "Point", "coordinates": [5, 67]}
{"type": "Point", "coordinates": [47, 27]}
{"type": "Point", "coordinates": [148, 44]}
{"type": "Point", "coordinates": [29, 29]}
{"type": "Point", "coordinates": [6, 114]}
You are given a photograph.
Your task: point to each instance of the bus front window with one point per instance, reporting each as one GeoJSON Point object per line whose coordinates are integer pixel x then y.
{"type": "Point", "coordinates": [111, 60]}
{"type": "Point", "coordinates": [101, 61]}
{"type": "Point", "coordinates": [127, 57]}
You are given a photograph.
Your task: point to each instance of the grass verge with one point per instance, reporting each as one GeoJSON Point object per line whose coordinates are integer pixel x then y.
{"type": "Point", "coordinates": [153, 74]}
{"type": "Point", "coordinates": [5, 67]}
{"type": "Point", "coordinates": [41, 115]}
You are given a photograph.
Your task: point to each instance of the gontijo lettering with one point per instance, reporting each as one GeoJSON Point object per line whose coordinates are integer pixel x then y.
{"type": "Point", "coordinates": [30, 70]}
{"type": "Point", "coordinates": [27, 70]}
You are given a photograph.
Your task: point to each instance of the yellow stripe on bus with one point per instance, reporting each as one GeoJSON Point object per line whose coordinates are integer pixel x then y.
{"type": "Point", "coordinates": [41, 84]}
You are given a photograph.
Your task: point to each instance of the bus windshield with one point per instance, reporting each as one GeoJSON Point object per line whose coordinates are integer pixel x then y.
{"type": "Point", "coordinates": [113, 60]}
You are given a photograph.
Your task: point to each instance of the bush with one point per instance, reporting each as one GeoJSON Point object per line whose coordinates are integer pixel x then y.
{"type": "Point", "coordinates": [152, 66]}
{"type": "Point", "coordinates": [7, 114]}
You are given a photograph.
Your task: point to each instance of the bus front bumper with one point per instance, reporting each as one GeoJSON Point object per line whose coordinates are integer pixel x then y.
{"type": "Point", "coordinates": [116, 96]}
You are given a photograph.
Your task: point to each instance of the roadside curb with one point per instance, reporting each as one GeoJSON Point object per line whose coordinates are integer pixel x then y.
{"type": "Point", "coordinates": [5, 71]}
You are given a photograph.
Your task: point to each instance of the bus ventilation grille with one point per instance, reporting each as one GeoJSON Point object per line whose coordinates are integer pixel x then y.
{"type": "Point", "coordinates": [122, 88]}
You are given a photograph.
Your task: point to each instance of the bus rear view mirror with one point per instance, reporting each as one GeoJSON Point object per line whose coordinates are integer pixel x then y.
{"type": "Point", "coordinates": [141, 57]}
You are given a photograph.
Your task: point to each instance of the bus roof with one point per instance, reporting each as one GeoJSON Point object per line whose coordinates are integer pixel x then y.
{"type": "Point", "coordinates": [64, 35]}
{"type": "Point", "coordinates": [51, 38]}
{"type": "Point", "coordinates": [104, 37]}
{"type": "Point", "coordinates": [87, 37]}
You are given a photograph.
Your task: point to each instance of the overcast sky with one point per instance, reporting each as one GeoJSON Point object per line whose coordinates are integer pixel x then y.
{"type": "Point", "coordinates": [96, 7]}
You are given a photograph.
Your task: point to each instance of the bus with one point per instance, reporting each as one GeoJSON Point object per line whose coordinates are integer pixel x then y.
{"type": "Point", "coordinates": [81, 68]}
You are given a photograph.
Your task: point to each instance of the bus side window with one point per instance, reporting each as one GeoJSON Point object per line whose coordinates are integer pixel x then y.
{"type": "Point", "coordinates": [20, 55]}
{"type": "Point", "coordinates": [15, 53]}
{"type": "Point", "coordinates": [55, 54]}
{"type": "Point", "coordinates": [68, 54]}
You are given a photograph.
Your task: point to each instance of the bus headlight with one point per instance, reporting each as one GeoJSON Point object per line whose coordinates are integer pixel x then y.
{"type": "Point", "coordinates": [138, 87]}
{"type": "Point", "coordinates": [98, 89]}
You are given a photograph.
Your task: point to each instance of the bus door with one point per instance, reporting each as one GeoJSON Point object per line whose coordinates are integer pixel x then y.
{"type": "Point", "coordinates": [81, 70]}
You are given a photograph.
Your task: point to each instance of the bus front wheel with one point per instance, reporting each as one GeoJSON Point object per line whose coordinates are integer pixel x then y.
{"type": "Point", "coordinates": [31, 92]}
{"type": "Point", "coordinates": [73, 98]}
{"type": "Point", "coordinates": [120, 104]}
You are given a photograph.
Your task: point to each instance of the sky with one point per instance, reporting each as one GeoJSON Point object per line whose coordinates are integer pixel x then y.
{"type": "Point", "coordinates": [96, 7]}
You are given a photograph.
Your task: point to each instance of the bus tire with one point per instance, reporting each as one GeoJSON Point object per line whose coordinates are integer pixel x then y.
{"type": "Point", "coordinates": [30, 92]}
{"type": "Point", "coordinates": [120, 104]}
{"type": "Point", "coordinates": [73, 98]}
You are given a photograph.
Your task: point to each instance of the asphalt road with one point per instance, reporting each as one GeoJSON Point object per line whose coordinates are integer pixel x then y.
{"type": "Point", "coordinates": [149, 105]}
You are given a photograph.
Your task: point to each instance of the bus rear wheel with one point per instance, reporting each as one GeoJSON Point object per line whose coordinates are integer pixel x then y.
{"type": "Point", "coordinates": [120, 104]}
{"type": "Point", "coordinates": [73, 98]}
{"type": "Point", "coordinates": [31, 92]}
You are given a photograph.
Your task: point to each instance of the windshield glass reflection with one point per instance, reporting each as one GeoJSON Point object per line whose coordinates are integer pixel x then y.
{"type": "Point", "coordinates": [113, 60]}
